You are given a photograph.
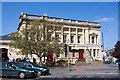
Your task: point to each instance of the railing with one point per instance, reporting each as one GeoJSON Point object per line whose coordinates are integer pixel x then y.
{"type": "Point", "coordinates": [85, 45]}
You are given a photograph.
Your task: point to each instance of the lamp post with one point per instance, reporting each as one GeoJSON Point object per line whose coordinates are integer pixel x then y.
{"type": "Point", "coordinates": [103, 38]}
{"type": "Point", "coordinates": [66, 49]}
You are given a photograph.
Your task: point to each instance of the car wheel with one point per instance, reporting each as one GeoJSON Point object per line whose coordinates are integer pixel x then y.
{"type": "Point", "coordinates": [21, 75]}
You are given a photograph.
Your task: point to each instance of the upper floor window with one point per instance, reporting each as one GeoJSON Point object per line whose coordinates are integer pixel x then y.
{"type": "Point", "coordinates": [93, 39]}
{"type": "Point", "coordinates": [89, 38]}
{"type": "Point", "coordinates": [72, 39]}
{"type": "Point", "coordinates": [78, 39]}
{"type": "Point", "coordinates": [64, 38]}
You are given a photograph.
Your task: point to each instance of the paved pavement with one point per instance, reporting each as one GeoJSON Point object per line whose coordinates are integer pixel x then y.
{"type": "Point", "coordinates": [99, 70]}
{"type": "Point", "coordinates": [88, 71]}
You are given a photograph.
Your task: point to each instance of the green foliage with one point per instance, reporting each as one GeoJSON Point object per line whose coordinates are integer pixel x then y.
{"type": "Point", "coordinates": [35, 39]}
{"type": "Point", "coordinates": [110, 60]}
{"type": "Point", "coordinates": [116, 52]}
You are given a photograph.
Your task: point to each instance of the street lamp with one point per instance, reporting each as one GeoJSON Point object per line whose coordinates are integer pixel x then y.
{"type": "Point", "coordinates": [66, 50]}
{"type": "Point", "coordinates": [103, 38]}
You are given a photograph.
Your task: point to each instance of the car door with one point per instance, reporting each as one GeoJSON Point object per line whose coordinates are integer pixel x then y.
{"type": "Point", "coordinates": [4, 69]}
{"type": "Point", "coordinates": [12, 71]}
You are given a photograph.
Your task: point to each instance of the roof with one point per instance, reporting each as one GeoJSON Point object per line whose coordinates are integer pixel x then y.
{"type": "Point", "coordinates": [65, 20]}
{"type": "Point", "coordinates": [5, 37]}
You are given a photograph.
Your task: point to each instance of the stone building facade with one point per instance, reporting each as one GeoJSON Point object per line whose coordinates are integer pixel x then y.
{"type": "Point", "coordinates": [79, 35]}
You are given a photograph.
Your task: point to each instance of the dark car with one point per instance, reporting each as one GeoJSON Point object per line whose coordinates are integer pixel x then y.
{"type": "Point", "coordinates": [12, 70]}
{"type": "Point", "coordinates": [117, 61]}
{"type": "Point", "coordinates": [30, 65]}
{"type": "Point", "coordinates": [107, 62]}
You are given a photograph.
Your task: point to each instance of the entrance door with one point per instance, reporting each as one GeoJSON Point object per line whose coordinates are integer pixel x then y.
{"type": "Point", "coordinates": [81, 55]}
{"type": "Point", "coordinates": [4, 54]}
{"type": "Point", "coordinates": [50, 57]}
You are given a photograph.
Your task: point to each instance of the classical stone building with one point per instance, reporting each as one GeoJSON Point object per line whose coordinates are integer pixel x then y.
{"type": "Point", "coordinates": [79, 35]}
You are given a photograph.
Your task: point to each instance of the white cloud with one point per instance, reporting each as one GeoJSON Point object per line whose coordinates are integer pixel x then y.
{"type": "Point", "coordinates": [105, 19]}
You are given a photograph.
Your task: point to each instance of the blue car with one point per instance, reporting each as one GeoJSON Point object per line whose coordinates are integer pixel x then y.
{"type": "Point", "coordinates": [32, 66]}
{"type": "Point", "coordinates": [117, 62]}
{"type": "Point", "coordinates": [10, 69]}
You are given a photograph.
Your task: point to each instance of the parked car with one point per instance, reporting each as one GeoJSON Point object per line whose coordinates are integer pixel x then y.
{"type": "Point", "coordinates": [32, 66]}
{"type": "Point", "coordinates": [107, 62]}
{"type": "Point", "coordinates": [117, 61]}
{"type": "Point", "coordinates": [10, 69]}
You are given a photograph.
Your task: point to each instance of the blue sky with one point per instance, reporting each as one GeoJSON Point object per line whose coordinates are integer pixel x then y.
{"type": "Point", "coordinates": [104, 12]}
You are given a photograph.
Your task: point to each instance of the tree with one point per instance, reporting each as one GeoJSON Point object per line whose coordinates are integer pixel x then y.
{"type": "Point", "coordinates": [35, 39]}
{"type": "Point", "coordinates": [116, 52]}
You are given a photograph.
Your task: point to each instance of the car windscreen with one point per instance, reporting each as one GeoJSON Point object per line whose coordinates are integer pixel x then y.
{"type": "Point", "coordinates": [35, 65]}
{"type": "Point", "coordinates": [20, 65]}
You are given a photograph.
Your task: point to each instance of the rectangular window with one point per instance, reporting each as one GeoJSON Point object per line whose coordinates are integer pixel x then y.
{"type": "Point", "coordinates": [89, 38]}
{"type": "Point", "coordinates": [93, 40]}
{"type": "Point", "coordinates": [94, 52]}
{"type": "Point", "coordinates": [65, 54]}
{"type": "Point", "coordinates": [64, 38]}
{"type": "Point", "coordinates": [73, 54]}
{"type": "Point", "coordinates": [78, 39]}
{"type": "Point", "coordinates": [72, 39]}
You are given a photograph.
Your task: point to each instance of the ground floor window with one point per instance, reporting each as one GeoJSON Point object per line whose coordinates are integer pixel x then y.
{"type": "Point", "coordinates": [65, 54]}
{"type": "Point", "coordinates": [94, 52]}
{"type": "Point", "coordinates": [73, 54]}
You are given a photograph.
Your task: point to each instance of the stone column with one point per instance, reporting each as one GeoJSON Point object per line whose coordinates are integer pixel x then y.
{"type": "Point", "coordinates": [96, 53]}
{"type": "Point", "coordinates": [87, 36]}
{"type": "Point", "coordinates": [69, 40]}
{"type": "Point", "coordinates": [84, 41]}
{"type": "Point", "coordinates": [92, 52]}
{"type": "Point", "coordinates": [62, 34]}
{"type": "Point", "coordinates": [76, 35]}
{"type": "Point", "coordinates": [90, 39]}
{"type": "Point", "coordinates": [95, 39]}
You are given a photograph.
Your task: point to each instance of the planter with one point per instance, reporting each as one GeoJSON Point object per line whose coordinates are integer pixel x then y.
{"type": "Point", "coordinates": [97, 62]}
{"type": "Point", "coordinates": [80, 63]}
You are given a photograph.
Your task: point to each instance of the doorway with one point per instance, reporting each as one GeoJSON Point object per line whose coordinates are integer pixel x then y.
{"type": "Point", "coordinates": [81, 52]}
{"type": "Point", "coordinates": [4, 54]}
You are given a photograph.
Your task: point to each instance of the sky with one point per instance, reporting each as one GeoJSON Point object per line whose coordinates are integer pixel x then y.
{"type": "Point", "coordinates": [104, 12]}
{"type": "Point", "coordinates": [60, 0]}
